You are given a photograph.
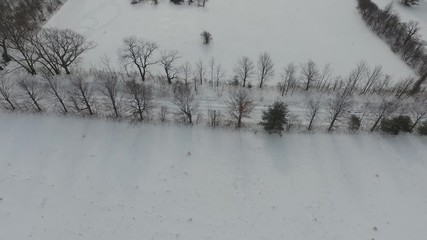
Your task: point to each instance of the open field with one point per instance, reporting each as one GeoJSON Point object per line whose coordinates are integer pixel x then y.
{"type": "Point", "coordinates": [292, 31]}
{"type": "Point", "coordinates": [65, 178]}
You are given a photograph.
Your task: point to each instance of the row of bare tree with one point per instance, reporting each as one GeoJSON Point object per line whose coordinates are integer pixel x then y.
{"type": "Point", "coordinates": [138, 55]}
{"type": "Point", "coordinates": [403, 38]}
{"type": "Point", "coordinates": [108, 93]}
{"type": "Point", "coordinates": [362, 80]}
{"type": "Point", "coordinates": [112, 94]}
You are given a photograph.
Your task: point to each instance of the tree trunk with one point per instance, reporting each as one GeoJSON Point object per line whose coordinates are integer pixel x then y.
{"type": "Point", "coordinates": [376, 123]}
{"type": "Point", "coordinates": [311, 123]}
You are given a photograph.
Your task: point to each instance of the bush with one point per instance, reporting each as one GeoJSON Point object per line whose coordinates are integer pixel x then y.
{"type": "Point", "coordinates": [354, 123]}
{"type": "Point", "coordinates": [207, 37]}
{"type": "Point", "coordinates": [6, 58]}
{"type": "Point", "coordinates": [177, 1]}
{"type": "Point", "coordinates": [275, 117]}
{"type": "Point", "coordinates": [396, 125]}
{"type": "Point", "coordinates": [422, 129]}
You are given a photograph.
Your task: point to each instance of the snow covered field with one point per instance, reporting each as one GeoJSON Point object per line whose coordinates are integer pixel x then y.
{"type": "Point", "coordinates": [64, 178]}
{"type": "Point", "coordinates": [326, 31]}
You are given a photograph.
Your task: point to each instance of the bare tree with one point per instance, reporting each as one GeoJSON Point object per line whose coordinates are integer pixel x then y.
{"type": "Point", "coordinates": [7, 93]}
{"type": "Point", "coordinates": [240, 106]}
{"type": "Point", "coordinates": [381, 110]}
{"type": "Point", "coordinates": [418, 110]}
{"type": "Point", "coordinates": [310, 73]}
{"type": "Point", "coordinates": [417, 86]}
{"type": "Point", "coordinates": [372, 78]}
{"type": "Point", "coordinates": [138, 53]}
{"type": "Point", "coordinates": [201, 71]}
{"type": "Point", "coordinates": [81, 93]}
{"type": "Point", "coordinates": [140, 99]}
{"type": "Point", "coordinates": [19, 21]}
{"type": "Point", "coordinates": [219, 76]}
{"type": "Point", "coordinates": [55, 90]}
{"type": "Point", "coordinates": [355, 77]}
{"type": "Point", "coordinates": [167, 61]}
{"type": "Point", "coordinates": [186, 71]}
{"type": "Point", "coordinates": [24, 53]}
{"type": "Point", "coordinates": [214, 118]}
{"type": "Point", "coordinates": [244, 70]}
{"type": "Point", "coordinates": [188, 106]}
{"type": "Point", "coordinates": [212, 70]}
{"type": "Point", "coordinates": [383, 85]}
{"type": "Point", "coordinates": [265, 68]}
{"type": "Point", "coordinates": [288, 79]}
{"type": "Point", "coordinates": [61, 47]}
{"type": "Point", "coordinates": [163, 114]}
{"type": "Point", "coordinates": [403, 87]}
{"type": "Point", "coordinates": [32, 90]}
{"type": "Point", "coordinates": [109, 87]}
{"type": "Point", "coordinates": [337, 107]}
{"type": "Point", "coordinates": [324, 77]}
{"type": "Point", "coordinates": [313, 106]}
{"type": "Point", "coordinates": [412, 32]}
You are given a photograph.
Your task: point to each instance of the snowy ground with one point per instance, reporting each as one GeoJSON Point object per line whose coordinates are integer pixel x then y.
{"type": "Point", "coordinates": [415, 13]}
{"type": "Point", "coordinates": [93, 179]}
{"type": "Point", "coordinates": [292, 31]}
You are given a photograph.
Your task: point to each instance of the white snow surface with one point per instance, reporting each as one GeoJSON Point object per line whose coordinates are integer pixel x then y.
{"type": "Point", "coordinates": [328, 31]}
{"type": "Point", "coordinates": [65, 178]}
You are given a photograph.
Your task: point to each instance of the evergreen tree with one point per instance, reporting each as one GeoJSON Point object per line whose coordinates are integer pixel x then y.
{"type": "Point", "coordinates": [354, 123]}
{"type": "Point", "coordinates": [274, 119]}
{"type": "Point", "coordinates": [396, 125]}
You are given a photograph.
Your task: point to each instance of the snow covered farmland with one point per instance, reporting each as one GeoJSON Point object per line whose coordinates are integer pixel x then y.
{"type": "Point", "coordinates": [326, 31]}
{"type": "Point", "coordinates": [64, 178]}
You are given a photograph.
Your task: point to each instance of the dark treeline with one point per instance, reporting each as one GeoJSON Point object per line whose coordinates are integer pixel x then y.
{"type": "Point", "coordinates": [23, 41]}
{"type": "Point", "coordinates": [403, 38]}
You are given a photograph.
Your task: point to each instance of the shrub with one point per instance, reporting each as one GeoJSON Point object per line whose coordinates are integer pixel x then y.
{"type": "Point", "coordinates": [396, 125]}
{"type": "Point", "coordinates": [422, 129]}
{"type": "Point", "coordinates": [354, 123]}
{"type": "Point", "coordinates": [274, 119]}
{"type": "Point", "coordinates": [207, 37]}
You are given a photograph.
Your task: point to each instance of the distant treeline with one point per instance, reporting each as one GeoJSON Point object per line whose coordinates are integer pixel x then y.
{"type": "Point", "coordinates": [403, 38]}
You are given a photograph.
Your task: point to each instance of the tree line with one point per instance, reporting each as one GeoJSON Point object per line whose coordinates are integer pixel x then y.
{"type": "Point", "coordinates": [31, 47]}
{"type": "Point", "coordinates": [403, 38]}
{"type": "Point", "coordinates": [108, 93]}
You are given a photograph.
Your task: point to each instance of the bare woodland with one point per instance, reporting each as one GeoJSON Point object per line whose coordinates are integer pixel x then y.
{"type": "Point", "coordinates": [41, 74]}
